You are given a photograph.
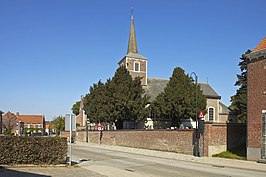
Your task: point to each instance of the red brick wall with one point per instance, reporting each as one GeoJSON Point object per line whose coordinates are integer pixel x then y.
{"type": "Point", "coordinates": [230, 135]}
{"type": "Point", "coordinates": [256, 101]}
{"type": "Point", "coordinates": [165, 140]}
{"type": "Point", "coordinates": [215, 135]}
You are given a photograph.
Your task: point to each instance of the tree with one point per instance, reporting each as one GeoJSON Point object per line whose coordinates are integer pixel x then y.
{"type": "Point", "coordinates": [239, 100]}
{"type": "Point", "coordinates": [75, 108]}
{"type": "Point", "coordinates": [178, 99]}
{"type": "Point", "coordinates": [95, 103]}
{"type": "Point", "coordinates": [59, 123]}
{"type": "Point", "coordinates": [9, 123]}
{"type": "Point", "coordinates": [120, 98]}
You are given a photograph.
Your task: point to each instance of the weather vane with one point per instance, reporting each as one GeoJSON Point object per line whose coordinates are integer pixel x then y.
{"type": "Point", "coordinates": [132, 11]}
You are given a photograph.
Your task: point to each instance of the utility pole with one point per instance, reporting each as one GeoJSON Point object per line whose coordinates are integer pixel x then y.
{"type": "Point", "coordinates": [196, 118]}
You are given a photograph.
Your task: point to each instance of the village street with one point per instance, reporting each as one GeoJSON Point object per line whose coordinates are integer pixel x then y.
{"type": "Point", "coordinates": [122, 161]}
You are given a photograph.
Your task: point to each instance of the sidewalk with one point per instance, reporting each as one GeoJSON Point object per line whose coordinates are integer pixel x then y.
{"type": "Point", "coordinates": [45, 171]}
{"type": "Point", "coordinates": [215, 161]}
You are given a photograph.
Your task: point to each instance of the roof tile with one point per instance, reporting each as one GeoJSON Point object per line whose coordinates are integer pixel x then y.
{"type": "Point", "coordinates": [260, 46]}
{"type": "Point", "coordinates": [34, 119]}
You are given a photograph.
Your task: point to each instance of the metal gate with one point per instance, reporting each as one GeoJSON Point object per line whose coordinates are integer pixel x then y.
{"type": "Point", "coordinates": [263, 149]}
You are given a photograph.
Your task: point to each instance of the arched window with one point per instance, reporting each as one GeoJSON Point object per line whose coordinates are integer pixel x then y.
{"type": "Point", "coordinates": [137, 66]}
{"type": "Point", "coordinates": [211, 111]}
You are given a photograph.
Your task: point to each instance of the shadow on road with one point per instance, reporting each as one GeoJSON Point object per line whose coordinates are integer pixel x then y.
{"type": "Point", "coordinates": [7, 172]}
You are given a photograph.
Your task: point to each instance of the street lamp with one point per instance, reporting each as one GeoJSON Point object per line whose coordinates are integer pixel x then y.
{"type": "Point", "coordinates": [196, 118]}
{"type": "Point", "coordinates": [87, 130]}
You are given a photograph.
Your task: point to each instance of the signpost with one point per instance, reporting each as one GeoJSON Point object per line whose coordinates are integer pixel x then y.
{"type": "Point", "coordinates": [70, 125]}
{"type": "Point", "coordinates": [200, 132]}
{"type": "Point", "coordinates": [200, 116]}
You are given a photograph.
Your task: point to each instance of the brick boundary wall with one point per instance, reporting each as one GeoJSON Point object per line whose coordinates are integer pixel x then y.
{"type": "Point", "coordinates": [165, 140]}
{"type": "Point", "coordinates": [217, 137]}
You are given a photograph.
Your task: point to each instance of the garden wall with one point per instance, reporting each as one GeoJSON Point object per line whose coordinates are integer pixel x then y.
{"type": "Point", "coordinates": [217, 137]}
{"type": "Point", "coordinates": [165, 140]}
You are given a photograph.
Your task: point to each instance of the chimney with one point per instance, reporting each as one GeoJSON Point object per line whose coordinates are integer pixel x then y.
{"type": "Point", "coordinates": [17, 114]}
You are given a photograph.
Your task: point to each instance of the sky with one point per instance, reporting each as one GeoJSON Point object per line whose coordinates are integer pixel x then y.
{"type": "Point", "coordinates": [52, 51]}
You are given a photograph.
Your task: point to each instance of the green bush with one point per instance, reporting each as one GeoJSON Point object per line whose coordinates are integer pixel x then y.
{"type": "Point", "coordinates": [32, 150]}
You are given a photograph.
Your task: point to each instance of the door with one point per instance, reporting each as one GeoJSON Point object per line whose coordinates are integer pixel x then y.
{"type": "Point", "coordinates": [263, 149]}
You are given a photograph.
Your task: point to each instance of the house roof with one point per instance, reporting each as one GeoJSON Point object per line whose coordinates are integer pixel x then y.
{"type": "Point", "coordinates": [259, 52]}
{"type": "Point", "coordinates": [224, 109]}
{"type": "Point", "coordinates": [1, 112]}
{"type": "Point", "coordinates": [208, 91]}
{"type": "Point", "coordinates": [261, 46]}
{"type": "Point", "coordinates": [34, 119]}
{"type": "Point", "coordinates": [156, 85]}
{"type": "Point", "coordinates": [13, 115]}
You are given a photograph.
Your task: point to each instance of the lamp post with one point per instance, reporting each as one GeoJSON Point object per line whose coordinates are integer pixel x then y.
{"type": "Point", "coordinates": [87, 131]}
{"type": "Point", "coordinates": [196, 118]}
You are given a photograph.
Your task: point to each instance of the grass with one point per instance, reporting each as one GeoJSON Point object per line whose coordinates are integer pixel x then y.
{"type": "Point", "coordinates": [237, 153]}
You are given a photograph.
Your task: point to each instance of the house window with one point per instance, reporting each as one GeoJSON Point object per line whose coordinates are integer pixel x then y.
{"type": "Point", "coordinates": [28, 125]}
{"type": "Point", "coordinates": [211, 114]}
{"type": "Point", "coordinates": [136, 66]}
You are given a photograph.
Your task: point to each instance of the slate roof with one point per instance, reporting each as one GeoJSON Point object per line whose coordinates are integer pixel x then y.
{"type": "Point", "coordinates": [156, 85]}
{"type": "Point", "coordinates": [224, 109]}
{"type": "Point", "coordinates": [208, 91]}
{"type": "Point", "coordinates": [135, 55]}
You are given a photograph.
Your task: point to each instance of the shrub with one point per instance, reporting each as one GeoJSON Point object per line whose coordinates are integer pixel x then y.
{"type": "Point", "coordinates": [32, 150]}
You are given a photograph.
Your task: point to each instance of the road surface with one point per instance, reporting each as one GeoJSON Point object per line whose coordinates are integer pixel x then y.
{"type": "Point", "coordinates": [114, 163]}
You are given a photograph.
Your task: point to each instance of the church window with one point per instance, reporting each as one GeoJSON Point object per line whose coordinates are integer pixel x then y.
{"type": "Point", "coordinates": [136, 66]}
{"type": "Point", "coordinates": [211, 114]}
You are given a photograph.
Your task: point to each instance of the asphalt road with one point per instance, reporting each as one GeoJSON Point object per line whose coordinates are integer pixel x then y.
{"type": "Point", "coordinates": [114, 163]}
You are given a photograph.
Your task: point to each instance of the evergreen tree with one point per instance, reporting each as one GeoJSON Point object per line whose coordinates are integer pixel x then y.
{"type": "Point", "coordinates": [117, 100]}
{"type": "Point", "coordinates": [128, 102]}
{"type": "Point", "coordinates": [95, 103]}
{"type": "Point", "coordinates": [75, 108]}
{"type": "Point", "coordinates": [178, 99]}
{"type": "Point", "coordinates": [239, 100]}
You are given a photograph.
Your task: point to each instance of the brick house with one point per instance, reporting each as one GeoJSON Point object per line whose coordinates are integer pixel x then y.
{"type": "Point", "coordinates": [33, 123]}
{"type": "Point", "coordinates": [12, 123]}
{"type": "Point", "coordinates": [256, 103]}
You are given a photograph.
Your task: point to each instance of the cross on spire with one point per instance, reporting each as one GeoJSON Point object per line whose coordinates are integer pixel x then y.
{"type": "Point", "coordinates": [132, 42]}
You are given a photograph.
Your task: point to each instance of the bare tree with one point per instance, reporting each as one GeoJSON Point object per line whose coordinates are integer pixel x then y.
{"type": "Point", "coordinates": [9, 123]}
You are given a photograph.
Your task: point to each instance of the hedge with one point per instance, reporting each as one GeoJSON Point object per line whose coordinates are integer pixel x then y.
{"type": "Point", "coordinates": [32, 150]}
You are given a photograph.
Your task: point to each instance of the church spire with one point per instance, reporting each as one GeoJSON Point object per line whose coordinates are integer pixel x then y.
{"type": "Point", "coordinates": [132, 42]}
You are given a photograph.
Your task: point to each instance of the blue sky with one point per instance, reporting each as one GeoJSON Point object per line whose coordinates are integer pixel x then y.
{"type": "Point", "coordinates": [52, 51]}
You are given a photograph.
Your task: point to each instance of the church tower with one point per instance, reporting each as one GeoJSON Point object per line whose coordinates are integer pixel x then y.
{"type": "Point", "coordinates": [135, 63]}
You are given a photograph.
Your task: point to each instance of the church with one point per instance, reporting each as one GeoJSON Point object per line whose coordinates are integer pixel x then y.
{"type": "Point", "coordinates": [136, 64]}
